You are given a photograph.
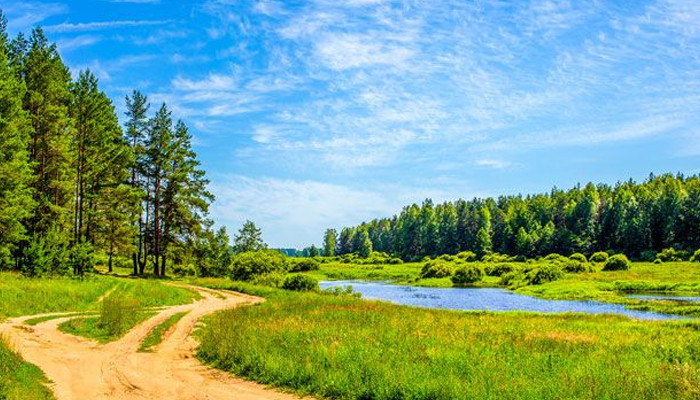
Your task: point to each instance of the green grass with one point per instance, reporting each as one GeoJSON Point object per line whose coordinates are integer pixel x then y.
{"type": "Point", "coordinates": [155, 337]}
{"type": "Point", "coordinates": [20, 380]}
{"type": "Point", "coordinates": [38, 320]}
{"type": "Point", "coordinates": [344, 348]}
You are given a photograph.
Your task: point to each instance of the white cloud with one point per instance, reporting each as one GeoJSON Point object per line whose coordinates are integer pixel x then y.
{"type": "Point", "coordinates": [24, 14]}
{"type": "Point", "coordinates": [493, 163]}
{"type": "Point", "coordinates": [93, 26]}
{"type": "Point", "coordinates": [66, 45]}
{"type": "Point", "coordinates": [344, 51]}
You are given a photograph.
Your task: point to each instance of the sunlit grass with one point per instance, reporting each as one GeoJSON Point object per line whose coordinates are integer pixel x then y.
{"type": "Point", "coordinates": [156, 336]}
{"type": "Point", "coordinates": [20, 380]}
{"type": "Point", "coordinates": [341, 347]}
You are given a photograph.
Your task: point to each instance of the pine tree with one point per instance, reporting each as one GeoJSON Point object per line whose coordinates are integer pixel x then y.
{"type": "Point", "coordinates": [16, 202]}
{"type": "Point", "coordinates": [249, 238]}
{"type": "Point", "coordinates": [47, 99]}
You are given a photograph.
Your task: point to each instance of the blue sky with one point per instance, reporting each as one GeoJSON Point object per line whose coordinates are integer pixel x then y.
{"type": "Point", "coordinates": [323, 113]}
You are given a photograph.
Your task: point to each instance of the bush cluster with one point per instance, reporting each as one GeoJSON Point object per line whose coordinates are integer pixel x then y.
{"type": "Point", "coordinates": [304, 265]}
{"type": "Point", "coordinates": [250, 264]}
{"type": "Point", "coordinates": [467, 256]}
{"type": "Point", "coordinates": [696, 256]}
{"type": "Point", "coordinates": [499, 269]}
{"type": "Point", "coordinates": [671, 254]}
{"type": "Point", "coordinates": [599, 257]}
{"type": "Point", "coordinates": [467, 274]}
{"type": "Point", "coordinates": [578, 257]}
{"type": "Point", "coordinates": [543, 274]}
{"type": "Point", "coordinates": [300, 283]}
{"type": "Point", "coordinates": [618, 262]}
{"type": "Point", "coordinates": [436, 269]}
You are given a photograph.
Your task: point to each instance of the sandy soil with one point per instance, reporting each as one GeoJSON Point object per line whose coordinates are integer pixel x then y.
{"type": "Point", "coordinates": [81, 369]}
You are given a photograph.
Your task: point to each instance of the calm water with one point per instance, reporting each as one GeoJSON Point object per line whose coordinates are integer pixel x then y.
{"type": "Point", "coordinates": [663, 296]}
{"type": "Point", "coordinates": [491, 299]}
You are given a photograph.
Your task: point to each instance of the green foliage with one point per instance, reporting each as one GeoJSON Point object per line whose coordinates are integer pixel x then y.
{"type": "Point", "coordinates": [118, 314]}
{"type": "Point", "coordinates": [658, 261]}
{"type": "Point", "coordinates": [599, 257]}
{"type": "Point", "coordinates": [578, 257]}
{"type": "Point", "coordinates": [82, 258]}
{"type": "Point", "coordinates": [47, 255]}
{"type": "Point", "coordinates": [499, 269]}
{"type": "Point", "coordinates": [467, 256]}
{"type": "Point", "coordinates": [671, 254]}
{"type": "Point", "coordinates": [543, 274]}
{"type": "Point", "coordinates": [273, 280]}
{"type": "Point", "coordinates": [467, 274]}
{"type": "Point", "coordinates": [496, 257]}
{"type": "Point", "coordinates": [511, 278]}
{"type": "Point", "coordinates": [696, 256]}
{"type": "Point", "coordinates": [618, 262]}
{"type": "Point", "coordinates": [303, 265]}
{"type": "Point", "coordinates": [248, 265]}
{"type": "Point", "coordinates": [436, 269]}
{"type": "Point", "coordinates": [249, 238]}
{"type": "Point", "coordinates": [300, 283]}
{"type": "Point", "coordinates": [330, 240]}
{"type": "Point", "coordinates": [575, 266]}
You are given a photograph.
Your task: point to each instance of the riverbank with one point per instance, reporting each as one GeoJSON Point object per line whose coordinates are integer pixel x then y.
{"type": "Point", "coordinates": [342, 347]}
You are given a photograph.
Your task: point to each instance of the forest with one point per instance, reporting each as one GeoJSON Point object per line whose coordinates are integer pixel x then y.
{"type": "Point", "coordinates": [637, 219]}
{"type": "Point", "coordinates": [76, 186]}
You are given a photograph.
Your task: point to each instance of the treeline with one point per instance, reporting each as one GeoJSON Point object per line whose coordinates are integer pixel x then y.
{"type": "Point", "coordinates": [74, 184]}
{"type": "Point", "coordinates": [638, 219]}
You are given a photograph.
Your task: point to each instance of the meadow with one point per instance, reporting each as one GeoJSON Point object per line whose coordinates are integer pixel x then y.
{"type": "Point", "coordinates": [344, 348]}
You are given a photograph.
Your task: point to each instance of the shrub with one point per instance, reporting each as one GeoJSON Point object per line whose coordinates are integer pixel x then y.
{"type": "Point", "coordinates": [300, 283]}
{"type": "Point", "coordinates": [658, 261]}
{"type": "Point", "coordinates": [184, 270]}
{"type": "Point", "coordinates": [511, 278]}
{"type": "Point", "coordinates": [249, 264]}
{"type": "Point", "coordinates": [395, 261]}
{"type": "Point", "coordinates": [117, 313]}
{"type": "Point", "coordinates": [446, 257]}
{"type": "Point", "coordinates": [499, 269]}
{"type": "Point", "coordinates": [578, 257]}
{"type": "Point", "coordinates": [436, 269]}
{"type": "Point", "coordinates": [618, 262]}
{"type": "Point", "coordinates": [46, 255]}
{"type": "Point", "coordinates": [575, 266]}
{"type": "Point", "coordinates": [554, 257]}
{"type": "Point", "coordinates": [467, 274]}
{"type": "Point", "coordinates": [81, 258]}
{"type": "Point", "coordinates": [544, 274]}
{"type": "Point", "coordinates": [496, 257]}
{"type": "Point", "coordinates": [304, 264]}
{"type": "Point", "coordinates": [599, 256]}
{"type": "Point", "coordinates": [671, 254]}
{"type": "Point", "coordinates": [695, 257]}
{"type": "Point", "coordinates": [274, 279]}
{"type": "Point", "coordinates": [467, 256]}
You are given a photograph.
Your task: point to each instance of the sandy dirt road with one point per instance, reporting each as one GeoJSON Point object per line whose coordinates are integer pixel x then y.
{"type": "Point", "coordinates": [81, 369]}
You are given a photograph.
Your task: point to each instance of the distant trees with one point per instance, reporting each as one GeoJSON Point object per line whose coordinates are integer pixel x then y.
{"type": "Point", "coordinates": [631, 218]}
{"type": "Point", "coordinates": [72, 183]}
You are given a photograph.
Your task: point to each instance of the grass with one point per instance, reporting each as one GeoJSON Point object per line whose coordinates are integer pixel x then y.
{"type": "Point", "coordinates": [345, 348]}
{"type": "Point", "coordinates": [155, 337]}
{"type": "Point", "coordinates": [20, 380]}
{"type": "Point", "coordinates": [38, 320]}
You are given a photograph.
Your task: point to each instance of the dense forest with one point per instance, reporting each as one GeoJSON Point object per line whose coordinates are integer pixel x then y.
{"type": "Point", "coordinates": [638, 219]}
{"type": "Point", "coordinates": [75, 185]}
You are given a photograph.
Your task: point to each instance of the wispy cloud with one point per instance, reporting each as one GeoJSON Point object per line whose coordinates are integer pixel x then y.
{"type": "Point", "coordinates": [24, 14]}
{"type": "Point", "coordinates": [96, 26]}
{"type": "Point", "coordinates": [66, 45]}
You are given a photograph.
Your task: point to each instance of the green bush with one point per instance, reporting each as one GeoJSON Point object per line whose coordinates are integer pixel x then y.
{"type": "Point", "coordinates": [300, 283]}
{"type": "Point", "coordinates": [446, 257]}
{"type": "Point", "coordinates": [511, 278]}
{"type": "Point", "coordinates": [184, 270]}
{"type": "Point", "coordinates": [467, 274]}
{"type": "Point", "coordinates": [118, 313]}
{"type": "Point", "coordinates": [436, 269]}
{"type": "Point", "coordinates": [671, 254]}
{"type": "Point", "coordinates": [648, 255]}
{"type": "Point", "coordinates": [250, 264]}
{"type": "Point", "coordinates": [81, 257]}
{"type": "Point", "coordinates": [599, 256]}
{"type": "Point", "coordinates": [658, 261]}
{"type": "Point", "coordinates": [47, 255]}
{"type": "Point", "coordinates": [545, 273]}
{"type": "Point", "coordinates": [575, 266]}
{"type": "Point", "coordinates": [274, 279]}
{"type": "Point", "coordinates": [618, 262]}
{"type": "Point", "coordinates": [696, 256]}
{"type": "Point", "coordinates": [395, 261]}
{"type": "Point", "coordinates": [553, 257]}
{"type": "Point", "coordinates": [304, 264]}
{"type": "Point", "coordinates": [467, 256]}
{"type": "Point", "coordinates": [499, 269]}
{"type": "Point", "coordinates": [496, 257]}
{"type": "Point", "coordinates": [578, 257]}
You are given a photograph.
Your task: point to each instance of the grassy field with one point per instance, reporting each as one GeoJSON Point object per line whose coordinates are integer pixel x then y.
{"type": "Point", "coordinates": [345, 348]}
{"type": "Point", "coordinates": [20, 380]}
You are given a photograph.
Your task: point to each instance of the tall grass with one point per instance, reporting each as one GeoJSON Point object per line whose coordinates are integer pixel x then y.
{"type": "Point", "coordinates": [340, 347]}
{"type": "Point", "coordinates": [20, 380]}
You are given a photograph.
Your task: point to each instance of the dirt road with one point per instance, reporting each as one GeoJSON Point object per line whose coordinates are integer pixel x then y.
{"type": "Point", "coordinates": [81, 369]}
